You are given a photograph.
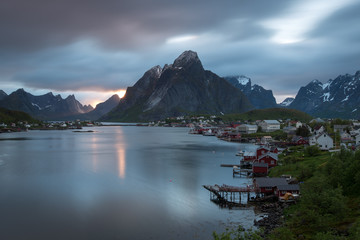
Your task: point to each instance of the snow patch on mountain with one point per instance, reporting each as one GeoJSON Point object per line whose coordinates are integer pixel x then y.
{"type": "Point", "coordinates": [243, 80]}
{"type": "Point", "coordinates": [287, 102]}
{"type": "Point", "coordinates": [345, 99]}
{"type": "Point", "coordinates": [35, 105]}
{"type": "Point", "coordinates": [326, 97]}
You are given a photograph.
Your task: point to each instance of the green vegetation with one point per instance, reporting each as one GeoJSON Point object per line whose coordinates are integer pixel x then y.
{"type": "Point", "coordinates": [330, 194]}
{"type": "Point", "coordinates": [269, 113]}
{"type": "Point", "coordinates": [10, 116]}
{"type": "Point", "coordinates": [239, 234]}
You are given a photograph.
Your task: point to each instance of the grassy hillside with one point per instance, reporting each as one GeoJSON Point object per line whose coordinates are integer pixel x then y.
{"type": "Point", "coordinates": [10, 116]}
{"type": "Point", "coordinates": [269, 113]}
{"type": "Point", "coordinates": [330, 194]}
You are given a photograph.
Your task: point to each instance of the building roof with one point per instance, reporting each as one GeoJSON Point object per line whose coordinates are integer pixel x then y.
{"type": "Point", "coordinates": [272, 121]}
{"type": "Point", "coordinates": [263, 147]}
{"type": "Point", "coordinates": [272, 155]}
{"type": "Point", "coordinates": [270, 182]}
{"type": "Point", "coordinates": [323, 134]}
{"type": "Point", "coordinates": [289, 187]}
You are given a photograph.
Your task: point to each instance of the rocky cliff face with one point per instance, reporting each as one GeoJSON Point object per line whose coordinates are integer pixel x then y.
{"type": "Point", "coordinates": [259, 97]}
{"type": "Point", "coordinates": [44, 107]}
{"type": "Point", "coordinates": [181, 88]}
{"type": "Point", "coordinates": [336, 98]}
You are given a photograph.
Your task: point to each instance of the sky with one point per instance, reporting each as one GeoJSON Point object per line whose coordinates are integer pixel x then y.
{"type": "Point", "coordinates": [95, 48]}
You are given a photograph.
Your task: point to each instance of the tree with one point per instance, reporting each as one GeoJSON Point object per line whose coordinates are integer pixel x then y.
{"type": "Point", "coordinates": [303, 131]}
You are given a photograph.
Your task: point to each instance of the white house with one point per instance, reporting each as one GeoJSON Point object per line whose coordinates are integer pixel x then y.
{"type": "Point", "coordinates": [357, 139]}
{"type": "Point", "coordinates": [324, 141]}
{"type": "Point", "coordinates": [269, 125]}
{"type": "Point", "coordinates": [247, 128]}
{"type": "Point", "coordinates": [319, 130]}
{"type": "Point", "coordinates": [298, 124]}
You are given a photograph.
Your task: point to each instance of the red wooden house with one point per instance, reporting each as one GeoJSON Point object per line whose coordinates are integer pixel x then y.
{"type": "Point", "coordinates": [261, 151]}
{"type": "Point", "coordinates": [269, 158]}
{"type": "Point", "coordinates": [260, 169]}
{"type": "Point", "coordinates": [267, 186]}
{"type": "Point", "coordinates": [298, 140]}
{"type": "Point", "coordinates": [281, 190]}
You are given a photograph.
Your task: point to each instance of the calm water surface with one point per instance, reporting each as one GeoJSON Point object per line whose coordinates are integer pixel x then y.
{"type": "Point", "coordinates": [115, 183]}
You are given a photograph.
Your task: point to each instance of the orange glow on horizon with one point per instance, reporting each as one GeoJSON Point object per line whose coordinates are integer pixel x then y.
{"type": "Point", "coordinates": [121, 93]}
{"type": "Point", "coordinates": [102, 97]}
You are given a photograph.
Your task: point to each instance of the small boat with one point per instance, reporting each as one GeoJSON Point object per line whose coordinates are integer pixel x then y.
{"type": "Point", "coordinates": [240, 153]}
{"type": "Point", "coordinates": [208, 133]}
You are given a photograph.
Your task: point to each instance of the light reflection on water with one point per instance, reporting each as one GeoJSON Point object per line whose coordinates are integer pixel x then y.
{"type": "Point", "coordinates": [115, 183]}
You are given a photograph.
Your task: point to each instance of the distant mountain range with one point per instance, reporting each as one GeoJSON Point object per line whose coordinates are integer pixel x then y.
{"type": "Point", "coordinates": [101, 109]}
{"type": "Point", "coordinates": [181, 88]}
{"type": "Point", "coordinates": [258, 96]}
{"type": "Point", "coordinates": [185, 88]}
{"type": "Point", "coordinates": [338, 98]}
{"type": "Point", "coordinates": [50, 107]}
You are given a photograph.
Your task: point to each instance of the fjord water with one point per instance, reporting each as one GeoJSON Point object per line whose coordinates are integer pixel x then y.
{"type": "Point", "coordinates": [115, 183]}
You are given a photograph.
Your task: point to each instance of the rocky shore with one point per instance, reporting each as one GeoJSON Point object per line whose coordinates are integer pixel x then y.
{"type": "Point", "coordinates": [274, 216]}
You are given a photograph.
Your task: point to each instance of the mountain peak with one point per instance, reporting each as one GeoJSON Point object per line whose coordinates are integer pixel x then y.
{"type": "Point", "coordinates": [315, 81]}
{"type": "Point", "coordinates": [156, 71]}
{"type": "Point", "coordinates": [187, 59]}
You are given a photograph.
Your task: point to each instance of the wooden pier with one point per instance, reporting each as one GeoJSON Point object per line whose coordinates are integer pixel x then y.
{"type": "Point", "coordinates": [241, 172]}
{"type": "Point", "coordinates": [229, 195]}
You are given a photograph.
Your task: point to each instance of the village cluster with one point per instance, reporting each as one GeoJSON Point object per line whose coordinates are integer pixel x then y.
{"type": "Point", "coordinates": [257, 164]}
{"type": "Point", "coordinates": [50, 125]}
{"type": "Point", "coordinates": [349, 135]}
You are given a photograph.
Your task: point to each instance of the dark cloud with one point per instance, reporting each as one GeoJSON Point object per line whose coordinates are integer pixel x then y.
{"type": "Point", "coordinates": [70, 45]}
{"type": "Point", "coordinates": [34, 24]}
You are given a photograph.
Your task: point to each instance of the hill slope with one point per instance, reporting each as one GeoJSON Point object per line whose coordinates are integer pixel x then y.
{"type": "Point", "coordinates": [9, 116]}
{"type": "Point", "coordinates": [270, 113]}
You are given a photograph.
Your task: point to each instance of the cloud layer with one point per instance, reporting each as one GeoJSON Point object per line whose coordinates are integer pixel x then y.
{"type": "Point", "coordinates": [98, 45]}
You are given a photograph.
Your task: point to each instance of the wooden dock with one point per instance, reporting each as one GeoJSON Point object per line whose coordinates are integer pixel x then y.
{"type": "Point", "coordinates": [230, 165]}
{"type": "Point", "coordinates": [226, 194]}
{"type": "Point", "coordinates": [241, 172]}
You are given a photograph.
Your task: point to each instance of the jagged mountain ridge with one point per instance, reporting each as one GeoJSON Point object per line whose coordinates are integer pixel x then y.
{"type": "Point", "coordinates": [258, 96]}
{"type": "Point", "coordinates": [181, 88]}
{"type": "Point", "coordinates": [338, 98]}
{"type": "Point", "coordinates": [44, 107]}
{"type": "Point", "coordinates": [100, 109]}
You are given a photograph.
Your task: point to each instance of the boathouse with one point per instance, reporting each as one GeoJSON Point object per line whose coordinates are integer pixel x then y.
{"type": "Point", "coordinates": [267, 185]}
{"type": "Point", "coordinates": [281, 190]}
{"type": "Point", "coordinates": [260, 169]}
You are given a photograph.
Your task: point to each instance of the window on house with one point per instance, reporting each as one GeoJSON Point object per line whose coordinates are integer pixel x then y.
{"type": "Point", "coordinates": [268, 188]}
{"type": "Point", "coordinates": [272, 162]}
